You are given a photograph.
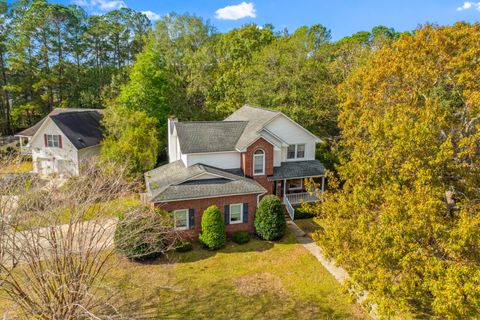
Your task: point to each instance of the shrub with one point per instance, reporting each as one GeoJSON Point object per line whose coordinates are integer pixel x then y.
{"type": "Point", "coordinates": [141, 234]}
{"type": "Point", "coordinates": [36, 200]}
{"type": "Point", "coordinates": [302, 213]}
{"type": "Point", "coordinates": [270, 218]}
{"type": "Point", "coordinates": [213, 234]}
{"type": "Point", "coordinates": [240, 237]}
{"type": "Point", "coordinates": [183, 246]}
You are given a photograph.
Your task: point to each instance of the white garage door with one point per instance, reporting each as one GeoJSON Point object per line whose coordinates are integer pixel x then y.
{"type": "Point", "coordinates": [45, 166]}
{"type": "Point", "coordinates": [65, 167]}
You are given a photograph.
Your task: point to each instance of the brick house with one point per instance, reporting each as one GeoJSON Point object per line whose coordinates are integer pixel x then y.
{"type": "Point", "coordinates": [232, 164]}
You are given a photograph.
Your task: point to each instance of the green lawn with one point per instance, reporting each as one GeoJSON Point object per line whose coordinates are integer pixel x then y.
{"type": "Point", "coordinates": [258, 280]}
{"type": "Point", "coordinates": [309, 226]}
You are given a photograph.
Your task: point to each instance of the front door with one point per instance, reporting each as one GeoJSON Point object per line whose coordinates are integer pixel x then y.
{"type": "Point", "coordinates": [278, 188]}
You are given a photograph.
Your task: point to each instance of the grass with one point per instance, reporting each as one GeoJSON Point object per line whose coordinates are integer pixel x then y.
{"type": "Point", "coordinates": [309, 226]}
{"type": "Point", "coordinates": [22, 167]}
{"type": "Point", "coordinates": [257, 280]}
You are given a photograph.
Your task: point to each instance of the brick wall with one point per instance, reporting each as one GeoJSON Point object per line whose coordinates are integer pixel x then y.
{"type": "Point", "coordinates": [199, 205]}
{"type": "Point", "coordinates": [247, 163]}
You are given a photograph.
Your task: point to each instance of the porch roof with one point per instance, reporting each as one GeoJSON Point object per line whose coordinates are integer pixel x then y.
{"type": "Point", "coordinates": [298, 169]}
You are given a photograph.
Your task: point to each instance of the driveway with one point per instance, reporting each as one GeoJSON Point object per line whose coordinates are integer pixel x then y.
{"type": "Point", "coordinates": [88, 235]}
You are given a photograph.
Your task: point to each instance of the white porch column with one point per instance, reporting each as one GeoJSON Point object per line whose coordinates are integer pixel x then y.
{"type": "Point", "coordinates": [284, 187]}
{"type": "Point", "coordinates": [323, 183]}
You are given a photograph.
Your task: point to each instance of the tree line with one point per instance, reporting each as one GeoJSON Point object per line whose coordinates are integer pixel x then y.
{"type": "Point", "coordinates": [190, 70]}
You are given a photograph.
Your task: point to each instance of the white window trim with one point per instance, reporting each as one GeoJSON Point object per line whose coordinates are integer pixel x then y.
{"type": "Point", "coordinates": [188, 219]}
{"type": "Point", "coordinates": [241, 213]}
{"type": "Point", "coordinates": [296, 151]}
{"type": "Point", "coordinates": [51, 140]}
{"type": "Point", "coordinates": [263, 163]}
{"type": "Point", "coordinates": [304, 150]}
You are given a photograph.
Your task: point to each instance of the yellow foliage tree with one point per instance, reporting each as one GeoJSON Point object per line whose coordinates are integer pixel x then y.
{"type": "Point", "coordinates": [406, 220]}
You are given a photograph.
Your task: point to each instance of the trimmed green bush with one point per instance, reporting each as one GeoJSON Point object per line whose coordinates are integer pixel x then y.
{"type": "Point", "coordinates": [141, 234]}
{"type": "Point", "coordinates": [240, 237]}
{"type": "Point", "coordinates": [183, 246]}
{"type": "Point", "coordinates": [301, 213]}
{"type": "Point", "coordinates": [213, 234]}
{"type": "Point", "coordinates": [270, 218]}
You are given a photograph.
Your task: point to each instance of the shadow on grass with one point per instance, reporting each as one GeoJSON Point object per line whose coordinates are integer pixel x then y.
{"type": "Point", "coordinates": [254, 245]}
{"type": "Point", "coordinates": [310, 226]}
{"type": "Point", "coordinates": [199, 252]}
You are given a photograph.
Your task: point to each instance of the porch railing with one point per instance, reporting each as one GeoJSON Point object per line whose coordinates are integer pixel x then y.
{"type": "Point", "coordinates": [290, 209]}
{"type": "Point", "coordinates": [25, 150]}
{"type": "Point", "coordinates": [297, 198]}
{"type": "Point", "coordinates": [144, 198]}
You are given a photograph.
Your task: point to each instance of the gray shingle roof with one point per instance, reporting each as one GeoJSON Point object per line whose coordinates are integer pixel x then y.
{"type": "Point", "coordinates": [256, 117]}
{"type": "Point", "coordinates": [209, 136]}
{"type": "Point", "coordinates": [297, 169]}
{"type": "Point", "coordinates": [174, 181]}
{"type": "Point", "coordinates": [82, 128]}
{"type": "Point", "coordinates": [30, 132]}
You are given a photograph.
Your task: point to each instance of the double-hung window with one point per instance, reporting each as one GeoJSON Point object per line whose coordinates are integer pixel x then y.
{"type": "Point", "coordinates": [53, 141]}
{"type": "Point", "coordinates": [295, 184]}
{"type": "Point", "coordinates": [296, 151]}
{"type": "Point", "coordinates": [259, 162]}
{"type": "Point", "coordinates": [236, 213]}
{"type": "Point", "coordinates": [180, 219]}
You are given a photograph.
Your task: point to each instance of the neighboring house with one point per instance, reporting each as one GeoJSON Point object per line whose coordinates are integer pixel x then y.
{"type": "Point", "coordinates": [231, 164]}
{"type": "Point", "coordinates": [61, 141]}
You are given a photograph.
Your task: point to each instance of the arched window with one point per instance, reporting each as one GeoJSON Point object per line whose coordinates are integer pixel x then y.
{"type": "Point", "coordinates": [259, 162]}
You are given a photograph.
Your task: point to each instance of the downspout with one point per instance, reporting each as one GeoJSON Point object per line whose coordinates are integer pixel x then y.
{"type": "Point", "coordinates": [258, 197]}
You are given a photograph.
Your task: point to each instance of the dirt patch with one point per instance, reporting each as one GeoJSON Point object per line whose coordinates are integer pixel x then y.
{"type": "Point", "coordinates": [260, 283]}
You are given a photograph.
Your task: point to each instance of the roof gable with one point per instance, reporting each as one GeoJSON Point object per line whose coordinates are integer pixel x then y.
{"type": "Point", "coordinates": [30, 132]}
{"type": "Point", "coordinates": [257, 118]}
{"type": "Point", "coordinates": [83, 129]}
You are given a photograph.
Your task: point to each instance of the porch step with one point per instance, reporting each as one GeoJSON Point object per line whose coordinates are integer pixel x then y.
{"type": "Point", "coordinates": [287, 216]}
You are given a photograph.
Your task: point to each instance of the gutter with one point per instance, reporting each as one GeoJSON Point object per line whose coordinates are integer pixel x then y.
{"type": "Point", "coordinates": [258, 197]}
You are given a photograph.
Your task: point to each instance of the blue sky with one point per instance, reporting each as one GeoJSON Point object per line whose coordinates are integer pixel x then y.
{"type": "Point", "coordinates": [342, 17]}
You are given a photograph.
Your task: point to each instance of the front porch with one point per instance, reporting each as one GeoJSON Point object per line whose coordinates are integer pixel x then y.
{"type": "Point", "coordinates": [297, 182]}
{"type": "Point", "coordinates": [298, 198]}
{"type": "Point", "coordinates": [25, 141]}
{"type": "Point", "coordinates": [293, 192]}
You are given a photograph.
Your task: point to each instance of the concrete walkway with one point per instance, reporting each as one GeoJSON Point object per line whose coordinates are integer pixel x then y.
{"type": "Point", "coordinates": [340, 274]}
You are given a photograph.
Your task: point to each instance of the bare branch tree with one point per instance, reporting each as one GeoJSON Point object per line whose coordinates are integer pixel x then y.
{"type": "Point", "coordinates": [56, 241]}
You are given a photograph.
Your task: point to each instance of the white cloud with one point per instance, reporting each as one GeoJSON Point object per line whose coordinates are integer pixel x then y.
{"type": "Point", "coordinates": [103, 5]}
{"type": "Point", "coordinates": [467, 5]}
{"type": "Point", "coordinates": [81, 3]}
{"type": "Point", "coordinates": [236, 12]}
{"type": "Point", "coordinates": [152, 15]}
